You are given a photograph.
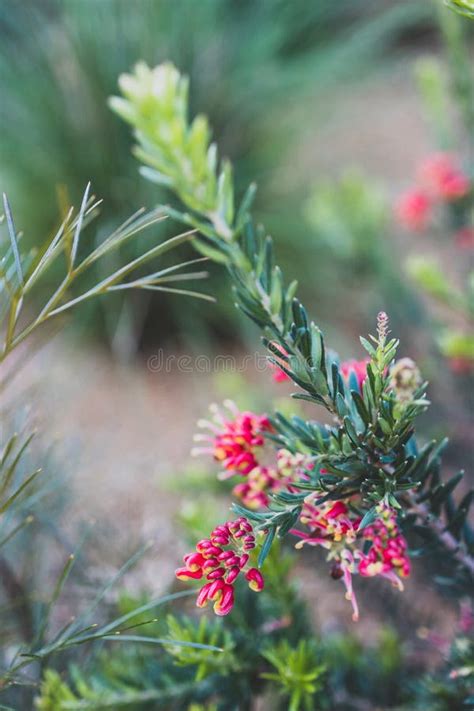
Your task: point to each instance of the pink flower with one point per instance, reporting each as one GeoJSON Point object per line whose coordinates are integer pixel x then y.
{"type": "Point", "coordinates": [443, 178]}
{"type": "Point", "coordinates": [234, 441]}
{"type": "Point", "coordinates": [221, 558]}
{"type": "Point", "coordinates": [387, 555]}
{"type": "Point", "coordinates": [358, 367]}
{"type": "Point", "coordinates": [413, 210]}
{"type": "Point", "coordinates": [261, 481]}
{"type": "Point", "coordinates": [253, 491]}
{"type": "Point", "coordinates": [334, 526]}
{"type": "Point", "coordinates": [328, 523]}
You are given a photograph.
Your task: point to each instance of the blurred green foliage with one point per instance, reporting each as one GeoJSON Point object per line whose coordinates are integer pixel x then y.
{"type": "Point", "coordinates": [251, 64]}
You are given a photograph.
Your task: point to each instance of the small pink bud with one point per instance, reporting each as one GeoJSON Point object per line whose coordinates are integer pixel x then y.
{"type": "Point", "coordinates": [185, 574]}
{"type": "Point", "coordinates": [216, 587]}
{"type": "Point", "coordinates": [194, 561]}
{"type": "Point", "coordinates": [232, 575]}
{"type": "Point", "coordinates": [210, 563]}
{"type": "Point", "coordinates": [225, 603]}
{"type": "Point", "coordinates": [255, 579]}
{"type": "Point", "coordinates": [244, 559]}
{"type": "Point", "coordinates": [235, 560]}
{"type": "Point", "coordinates": [203, 596]}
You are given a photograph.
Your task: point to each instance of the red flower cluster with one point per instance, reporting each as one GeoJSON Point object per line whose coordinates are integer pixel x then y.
{"type": "Point", "coordinates": [328, 523]}
{"type": "Point", "coordinates": [221, 558]}
{"type": "Point", "coordinates": [263, 480]}
{"type": "Point", "coordinates": [234, 442]}
{"type": "Point", "coordinates": [387, 555]}
{"type": "Point", "coordinates": [254, 490]}
{"type": "Point", "coordinates": [238, 443]}
{"type": "Point", "coordinates": [440, 180]}
{"type": "Point", "coordinates": [333, 526]}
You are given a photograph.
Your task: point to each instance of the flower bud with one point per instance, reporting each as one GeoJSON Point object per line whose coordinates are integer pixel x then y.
{"type": "Point", "coordinates": [255, 579]}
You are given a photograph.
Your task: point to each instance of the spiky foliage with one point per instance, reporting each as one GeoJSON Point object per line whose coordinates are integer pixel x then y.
{"type": "Point", "coordinates": [22, 312]}
{"type": "Point", "coordinates": [22, 271]}
{"type": "Point", "coordinates": [369, 451]}
{"type": "Point", "coordinates": [297, 675]}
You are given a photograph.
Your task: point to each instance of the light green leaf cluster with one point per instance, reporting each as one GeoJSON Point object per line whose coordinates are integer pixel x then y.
{"type": "Point", "coordinates": [298, 674]}
{"type": "Point", "coordinates": [348, 216]}
{"type": "Point", "coordinates": [20, 272]}
{"type": "Point", "coordinates": [208, 634]}
{"type": "Point", "coordinates": [176, 153]}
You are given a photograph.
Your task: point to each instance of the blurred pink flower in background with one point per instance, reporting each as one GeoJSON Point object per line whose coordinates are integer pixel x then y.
{"type": "Point", "coordinates": [358, 367]}
{"type": "Point", "coordinates": [443, 177]}
{"type": "Point", "coordinates": [413, 210]}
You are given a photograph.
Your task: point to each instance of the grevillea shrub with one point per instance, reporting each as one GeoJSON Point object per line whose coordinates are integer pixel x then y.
{"type": "Point", "coordinates": [358, 487]}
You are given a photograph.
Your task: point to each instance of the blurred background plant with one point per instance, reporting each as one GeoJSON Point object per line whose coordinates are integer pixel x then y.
{"type": "Point", "coordinates": [59, 59]}
{"type": "Point", "coordinates": [442, 202]}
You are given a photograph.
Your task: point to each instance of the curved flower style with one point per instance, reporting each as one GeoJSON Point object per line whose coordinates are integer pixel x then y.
{"type": "Point", "coordinates": [328, 523]}
{"type": "Point", "coordinates": [333, 526]}
{"type": "Point", "coordinates": [221, 558]}
{"type": "Point", "coordinates": [233, 441]}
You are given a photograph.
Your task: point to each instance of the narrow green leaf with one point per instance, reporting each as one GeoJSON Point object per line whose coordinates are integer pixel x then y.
{"type": "Point", "coordinates": [265, 550]}
{"type": "Point", "coordinates": [13, 239]}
